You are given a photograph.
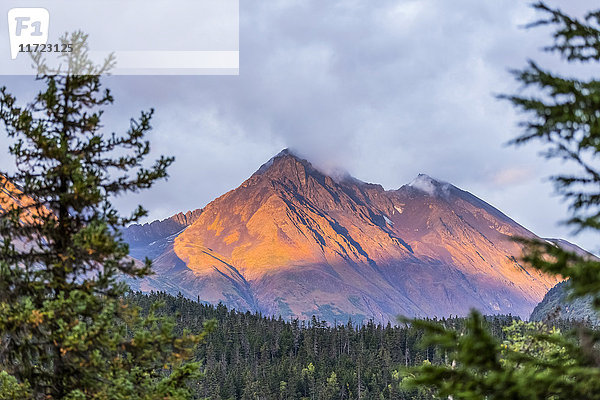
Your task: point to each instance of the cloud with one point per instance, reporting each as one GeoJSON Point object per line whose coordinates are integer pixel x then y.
{"type": "Point", "coordinates": [384, 90]}
{"type": "Point", "coordinates": [513, 176]}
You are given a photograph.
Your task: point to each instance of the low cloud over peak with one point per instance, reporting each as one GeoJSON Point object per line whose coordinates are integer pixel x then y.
{"type": "Point", "coordinates": [382, 90]}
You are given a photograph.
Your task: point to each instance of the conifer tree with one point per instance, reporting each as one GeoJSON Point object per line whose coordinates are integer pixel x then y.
{"type": "Point", "coordinates": [65, 331]}
{"type": "Point", "coordinates": [563, 113]}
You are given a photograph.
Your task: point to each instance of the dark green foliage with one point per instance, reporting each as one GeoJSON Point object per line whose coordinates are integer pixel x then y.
{"type": "Point", "coordinates": [564, 114]}
{"type": "Point", "coordinates": [252, 356]}
{"type": "Point", "coordinates": [64, 331]}
{"type": "Point", "coordinates": [534, 362]}
{"type": "Point", "coordinates": [537, 362]}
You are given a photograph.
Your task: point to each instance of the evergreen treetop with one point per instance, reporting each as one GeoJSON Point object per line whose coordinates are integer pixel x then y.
{"type": "Point", "coordinates": [65, 332]}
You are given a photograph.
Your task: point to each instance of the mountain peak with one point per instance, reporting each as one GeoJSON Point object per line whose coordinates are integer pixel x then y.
{"type": "Point", "coordinates": [286, 152]}
{"type": "Point", "coordinates": [300, 240]}
{"type": "Point", "coordinates": [289, 153]}
{"type": "Point", "coordinates": [283, 154]}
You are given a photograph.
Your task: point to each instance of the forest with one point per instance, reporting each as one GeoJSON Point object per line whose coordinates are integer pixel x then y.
{"type": "Point", "coordinates": [251, 356]}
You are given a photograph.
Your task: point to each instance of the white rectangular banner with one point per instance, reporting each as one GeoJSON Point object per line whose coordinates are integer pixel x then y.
{"type": "Point", "coordinates": [145, 37]}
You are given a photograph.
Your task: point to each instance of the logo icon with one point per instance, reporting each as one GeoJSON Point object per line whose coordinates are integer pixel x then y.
{"type": "Point", "coordinates": [27, 26]}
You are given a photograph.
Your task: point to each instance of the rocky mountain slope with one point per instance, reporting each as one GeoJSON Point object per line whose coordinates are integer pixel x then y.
{"type": "Point", "coordinates": [12, 197]}
{"type": "Point", "coordinates": [556, 304]}
{"type": "Point", "coordinates": [294, 241]}
{"type": "Point", "coordinates": [150, 240]}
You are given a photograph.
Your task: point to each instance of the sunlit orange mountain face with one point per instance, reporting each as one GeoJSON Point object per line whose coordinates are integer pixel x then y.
{"type": "Point", "coordinates": [11, 197]}
{"type": "Point", "coordinates": [295, 242]}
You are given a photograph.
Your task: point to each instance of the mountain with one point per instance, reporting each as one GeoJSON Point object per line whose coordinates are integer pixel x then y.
{"type": "Point", "coordinates": [11, 197]}
{"type": "Point", "coordinates": [150, 240]}
{"type": "Point", "coordinates": [294, 241]}
{"type": "Point", "coordinates": [556, 304]}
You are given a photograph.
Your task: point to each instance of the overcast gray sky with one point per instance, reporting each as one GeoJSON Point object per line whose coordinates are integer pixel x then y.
{"type": "Point", "coordinates": [384, 89]}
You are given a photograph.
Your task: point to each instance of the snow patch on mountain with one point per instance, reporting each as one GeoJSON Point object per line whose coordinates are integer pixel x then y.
{"type": "Point", "coordinates": [424, 183]}
{"type": "Point", "coordinates": [431, 186]}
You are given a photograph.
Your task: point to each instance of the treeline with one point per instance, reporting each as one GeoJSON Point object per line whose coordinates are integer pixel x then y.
{"type": "Point", "coordinates": [250, 356]}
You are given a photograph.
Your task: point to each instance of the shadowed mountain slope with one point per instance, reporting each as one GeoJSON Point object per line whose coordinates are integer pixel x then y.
{"type": "Point", "coordinates": [557, 304]}
{"type": "Point", "coordinates": [150, 240]}
{"type": "Point", "coordinates": [294, 241]}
